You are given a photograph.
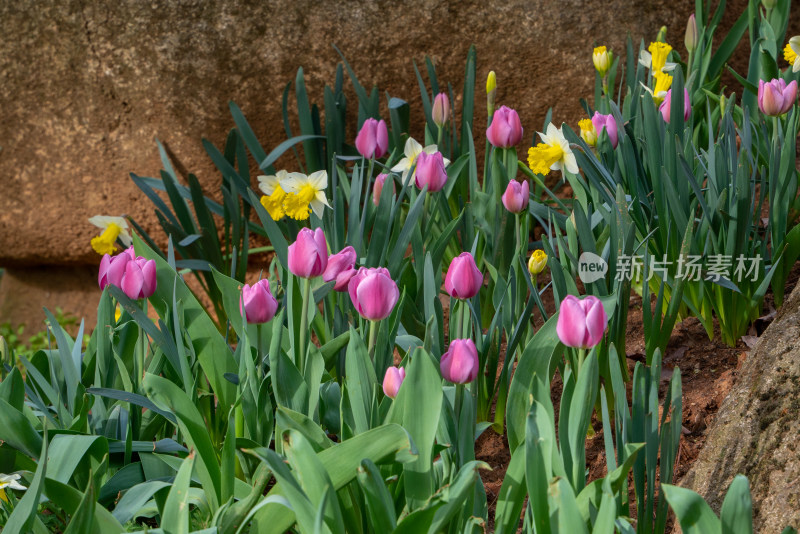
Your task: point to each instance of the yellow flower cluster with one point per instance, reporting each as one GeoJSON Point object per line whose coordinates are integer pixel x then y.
{"type": "Point", "coordinates": [294, 194]}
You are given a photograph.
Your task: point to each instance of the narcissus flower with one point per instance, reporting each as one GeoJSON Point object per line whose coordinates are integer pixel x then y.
{"type": "Point", "coordinates": [274, 193]}
{"type": "Point", "coordinates": [602, 59]}
{"type": "Point", "coordinates": [257, 304]}
{"type": "Point", "coordinates": [588, 133]}
{"type": "Point", "coordinates": [373, 293]}
{"type": "Point", "coordinates": [430, 171]}
{"type": "Point", "coordinates": [134, 275]}
{"type": "Point", "coordinates": [441, 109]}
{"type": "Point", "coordinates": [581, 322]}
{"type": "Point", "coordinates": [372, 140]}
{"type": "Point", "coordinates": [392, 381]}
{"type": "Point", "coordinates": [515, 199]}
{"type": "Point", "coordinates": [655, 58]}
{"type": "Point", "coordinates": [609, 124]}
{"type": "Point", "coordinates": [776, 97]}
{"type": "Point", "coordinates": [553, 153]}
{"type": "Point", "coordinates": [505, 130]}
{"type": "Point", "coordinates": [411, 151]}
{"type": "Point", "coordinates": [666, 106]}
{"type": "Point", "coordinates": [792, 53]}
{"type": "Point", "coordinates": [460, 363]}
{"type": "Point", "coordinates": [305, 194]}
{"type": "Point", "coordinates": [113, 228]}
{"type": "Point", "coordinates": [662, 84]}
{"type": "Point", "coordinates": [537, 262]}
{"type": "Point", "coordinates": [463, 279]}
{"type": "Point", "coordinates": [308, 255]}
{"type": "Point", "coordinates": [9, 482]}
{"type": "Point", "coordinates": [341, 267]}
{"type": "Point", "coordinates": [377, 188]}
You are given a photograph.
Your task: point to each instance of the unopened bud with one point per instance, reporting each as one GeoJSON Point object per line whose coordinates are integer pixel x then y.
{"type": "Point", "coordinates": [691, 34]}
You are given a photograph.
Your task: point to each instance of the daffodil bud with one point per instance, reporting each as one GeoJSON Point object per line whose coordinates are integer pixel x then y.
{"type": "Point", "coordinates": [602, 59]}
{"type": "Point", "coordinates": [722, 104]}
{"type": "Point", "coordinates": [537, 262]}
{"type": "Point", "coordinates": [691, 34]}
{"type": "Point", "coordinates": [662, 35]}
{"type": "Point", "coordinates": [491, 89]}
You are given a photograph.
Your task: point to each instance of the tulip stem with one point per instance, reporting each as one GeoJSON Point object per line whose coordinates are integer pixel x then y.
{"type": "Point", "coordinates": [373, 333]}
{"type": "Point", "coordinates": [581, 357]}
{"type": "Point", "coordinates": [301, 357]}
{"type": "Point", "coordinates": [459, 400]}
{"type": "Point", "coordinates": [439, 138]}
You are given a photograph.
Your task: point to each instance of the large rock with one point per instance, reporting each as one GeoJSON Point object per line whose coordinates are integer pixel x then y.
{"type": "Point", "coordinates": [87, 86]}
{"type": "Point", "coordinates": [755, 431]}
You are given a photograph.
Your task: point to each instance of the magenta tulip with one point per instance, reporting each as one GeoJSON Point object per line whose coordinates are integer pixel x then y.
{"type": "Point", "coordinates": [377, 189]}
{"type": "Point", "coordinates": [134, 275]}
{"type": "Point", "coordinates": [505, 130]}
{"type": "Point", "coordinates": [257, 304]}
{"type": "Point", "coordinates": [460, 363]}
{"type": "Point", "coordinates": [463, 279]}
{"type": "Point", "coordinates": [341, 268]}
{"type": "Point", "coordinates": [430, 171]}
{"type": "Point", "coordinates": [776, 97]}
{"type": "Point", "coordinates": [372, 140]}
{"type": "Point", "coordinates": [581, 322]}
{"type": "Point", "coordinates": [441, 109]}
{"type": "Point", "coordinates": [666, 109]}
{"type": "Point", "coordinates": [609, 124]}
{"type": "Point", "coordinates": [392, 381]}
{"type": "Point", "coordinates": [515, 199]}
{"type": "Point", "coordinates": [373, 293]}
{"type": "Point", "coordinates": [308, 255]}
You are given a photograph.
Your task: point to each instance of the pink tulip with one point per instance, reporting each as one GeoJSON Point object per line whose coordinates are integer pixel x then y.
{"type": "Point", "coordinates": [372, 140]}
{"type": "Point", "coordinates": [430, 171]}
{"type": "Point", "coordinates": [463, 279]}
{"type": "Point", "coordinates": [392, 381]}
{"type": "Point", "coordinates": [134, 275]}
{"type": "Point", "coordinates": [308, 255]}
{"type": "Point", "coordinates": [460, 363]}
{"type": "Point", "coordinates": [373, 293]}
{"type": "Point", "coordinates": [776, 97]}
{"type": "Point", "coordinates": [257, 304]}
{"type": "Point", "coordinates": [609, 124]}
{"type": "Point", "coordinates": [515, 199]}
{"type": "Point", "coordinates": [377, 189]}
{"type": "Point", "coordinates": [505, 130]}
{"type": "Point", "coordinates": [581, 322]}
{"type": "Point", "coordinates": [341, 268]}
{"type": "Point", "coordinates": [441, 109]}
{"type": "Point", "coordinates": [665, 107]}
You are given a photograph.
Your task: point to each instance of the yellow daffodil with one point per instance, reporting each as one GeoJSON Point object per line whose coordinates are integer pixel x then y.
{"type": "Point", "coordinates": [10, 482]}
{"type": "Point", "coordinates": [537, 262]}
{"type": "Point", "coordinates": [411, 151]}
{"type": "Point", "coordinates": [113, 228]}
{"type": "Point", "coordinates": [491, 82]}
{"type": "Point", "coordinates": [588, 132]}
{"type": "Point", "coordinates": [602, 59]}
{"type": "Point", "coordinates": [655, 58]}
{"type": "Point", "coordinates": [305, 194]}
{"type": "Point", "coordinates": [274, 193]}
{"type": "Point", "coordinates": [553, 153]}
{"type": "Point", "coordinates": [792, 53]}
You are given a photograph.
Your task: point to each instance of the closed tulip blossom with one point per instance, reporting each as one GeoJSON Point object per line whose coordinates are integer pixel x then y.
{"type": "Point", "coordinates": [258, 305]}
{"type": "Point", "coordinates": [588, 133]}
{"type": "Point", "coordinates": [505, 130]}
{"type": "Point", "coordinates": [392, 381]}
{"type": "Point", "coordinates": [372, 140]}
{"type": "Point", "coordinates": [308, 255]}
{"type": "Point", "coordinates": [373, 293]}
{"type": "Point", "coordinates": [460, 363]}
{"type": "Point", "coordinates": [609, 124]}
{"type": "Point", "coordinates": [666, 109]}
{"type": "Point", "coordinates": [377, 189]}
{"type": "Point", "coordinates": [441, 109]}
{"type": "Point", "coordinates": [516, 197]}
{"type": "Point", "coordinates": [537, 262]}
{"type": "Point", "coordinates": [581, 322]}
{"type": "Point", "coordinates": [134, 275]}
{"type": "Point", "coordinates": [430, 171]}
{"type": "Point", "coordinates": [776, 97]}
{"type": "Point", "coordinates": [463, 279]}
{"type": "Point", "coordinates": [341, 268]}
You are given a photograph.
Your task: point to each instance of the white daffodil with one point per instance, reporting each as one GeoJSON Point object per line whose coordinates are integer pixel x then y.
{"type": "Point", "coordinates": [113, 228]}
{"type": "Point", "coordinates": [792, 53]}
{"type": "Point", "coordinates": [305, 194]}
{"type": "Point", "coordinates": [9, 482]}
{"type": "Point", "coordinates": [411, 151]}
{"type": "Point", "coordinates": [553, 153]}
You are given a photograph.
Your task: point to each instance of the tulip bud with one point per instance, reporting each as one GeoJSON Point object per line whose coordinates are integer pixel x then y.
{"type": "Point", "coordinates": [463, 279]}
{"type": "Point", "coordinates": [602, 60]}
{"type": "Point", "coordinates": [373, 293]}
{"type": "Point", "coordinates": [308, 255]}
{"type": "Point", "coordinates": [666, 106]}
{"type": "Point", "coordinates": [691, 34]}
{"type": "Point", "coordinates": [460, 363]}
{"type": "Point", "coordinates": [588, 132]}
{"type": "Point", "coordinates": [392, 381]}
{"type": "Point", "coordinates": [491, 90]}
{"type": "Point", "coordinates": [537, 262]}
{"type": "Point", "coordinates": [609, 124]}
{"type": "Point", "coordinates": [769, 4]}
{"type": "Point", "coordinates": [372, 140]}
{"type": "Point", "coordinates": [341, 268]}
{"type": "Point", "coordinates": [441, 110]}
{"type": "Point", "coordinates": [377, 188]}
{"type": "Point", "coordinates": [581, 322]}
{"type": "Point", "coordinates": [516, 197]}
{"type": "Point", "coordinates": [505, 130]}
{"type": "Point", "coordinates": [430, 171]}
{"type": "Point", "coordinates": [257, 304]}
{"type": "Point", "coordinates": [776, 97]}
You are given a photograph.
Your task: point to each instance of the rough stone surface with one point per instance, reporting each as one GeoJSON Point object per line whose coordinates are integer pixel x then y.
{"type": "Point", "coordinates": [86, 87]}
{"type": "Point", "coordinates": [755, 431]}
